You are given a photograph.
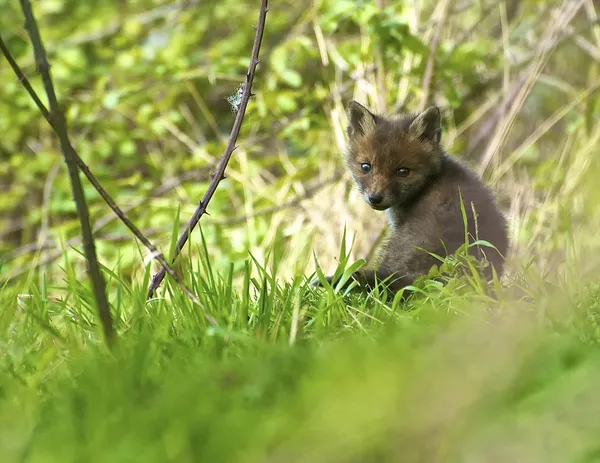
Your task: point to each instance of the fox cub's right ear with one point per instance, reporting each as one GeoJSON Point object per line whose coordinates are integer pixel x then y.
{"type": "Point", "coordinates": [360, 120]}
{"type": "Point", "coordinates": [427, 125]}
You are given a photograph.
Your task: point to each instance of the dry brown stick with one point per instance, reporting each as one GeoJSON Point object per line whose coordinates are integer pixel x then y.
{"type": "Point", "coordinates": [231, 146]}
{"type": "Point", "coordinates": [60, 125]}
{"type": "Point", "coordinates": [156, 254]}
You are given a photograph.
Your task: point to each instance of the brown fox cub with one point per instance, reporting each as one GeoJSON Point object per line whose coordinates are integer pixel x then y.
{"type": "Point", "coordinates": [400, 167]}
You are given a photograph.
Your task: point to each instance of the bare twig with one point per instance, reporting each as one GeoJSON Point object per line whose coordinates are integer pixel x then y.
{"type": "Point", "coordinates": [220, 173]}
{"type": "Point", "coordinates": [156, 254]}
{"type": "Point", "coordinates": [60, 126]}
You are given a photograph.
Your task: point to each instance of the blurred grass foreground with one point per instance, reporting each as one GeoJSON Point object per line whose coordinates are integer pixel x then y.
{"type": "Point", "coordinates": [464, 372]}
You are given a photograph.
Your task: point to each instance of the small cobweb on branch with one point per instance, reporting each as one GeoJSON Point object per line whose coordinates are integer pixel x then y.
{"type": "Point", "coordinates": [235, 99]}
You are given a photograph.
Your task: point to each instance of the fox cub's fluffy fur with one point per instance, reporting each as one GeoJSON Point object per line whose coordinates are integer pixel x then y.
{"type": "Point", "coordinates": [400, 167]}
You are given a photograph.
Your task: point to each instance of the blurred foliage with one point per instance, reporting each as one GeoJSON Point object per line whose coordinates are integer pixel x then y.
{"type": "Point", "coordinates": [145, 83]}
{"type": "Point", "coordinates": [457, 376]}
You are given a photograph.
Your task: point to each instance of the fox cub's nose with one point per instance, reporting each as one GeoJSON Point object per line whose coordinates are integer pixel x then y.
{"type": "Point", "coordinates": [375, 199]}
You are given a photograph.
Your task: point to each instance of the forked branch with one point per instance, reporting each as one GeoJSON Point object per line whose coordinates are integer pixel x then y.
{"type": "Point", "coordinates": [231, 146]}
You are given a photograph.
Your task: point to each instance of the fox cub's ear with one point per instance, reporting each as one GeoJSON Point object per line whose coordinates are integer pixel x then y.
{"type": "Point", "coordinates": [426, 125]}
{"type": "Point", "coordinates": [360, 120]}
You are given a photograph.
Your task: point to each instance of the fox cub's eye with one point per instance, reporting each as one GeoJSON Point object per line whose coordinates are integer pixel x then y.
{"type": "Point", "coordinates": [403, 172]}
{"type": "Point", "coordinates": [365, 167]}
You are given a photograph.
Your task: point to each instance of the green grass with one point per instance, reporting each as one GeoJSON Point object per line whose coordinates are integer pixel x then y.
{"type": "Point", "coordinates": [300, 374]}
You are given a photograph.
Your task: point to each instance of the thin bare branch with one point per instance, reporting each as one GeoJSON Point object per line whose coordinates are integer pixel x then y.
{"type": "Point", "coordinates": [60, 125]}
{"type": "Point", "coordinates": [231, 146]}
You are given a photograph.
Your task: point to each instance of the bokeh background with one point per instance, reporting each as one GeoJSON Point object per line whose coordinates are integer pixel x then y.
{"type": "Point", "coordinates": [145, 87]}
{"type": "Point", "coordinates": [292, 373]}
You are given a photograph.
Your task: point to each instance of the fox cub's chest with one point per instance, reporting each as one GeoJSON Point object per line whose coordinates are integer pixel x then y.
{"type": "Point", "coordinates": [414, 229]}
{"type": "Point", "coordinates": [409, 242]}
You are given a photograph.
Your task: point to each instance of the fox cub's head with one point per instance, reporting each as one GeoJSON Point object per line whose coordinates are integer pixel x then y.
{"type": "Point", "coordinates": [391, 159]}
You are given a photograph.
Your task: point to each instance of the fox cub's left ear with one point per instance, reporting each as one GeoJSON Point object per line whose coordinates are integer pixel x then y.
{"type": "Point", "coordinates": [427, 125]}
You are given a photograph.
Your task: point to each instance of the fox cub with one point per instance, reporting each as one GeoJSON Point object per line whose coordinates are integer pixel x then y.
{"type": "Point", "coordinates": [400, 167]}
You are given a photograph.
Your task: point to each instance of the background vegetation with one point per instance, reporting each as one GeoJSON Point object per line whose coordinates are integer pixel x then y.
{"type": "Point", "coordinates": [294, 374]}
